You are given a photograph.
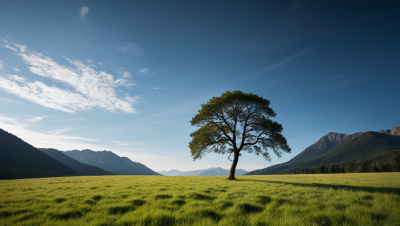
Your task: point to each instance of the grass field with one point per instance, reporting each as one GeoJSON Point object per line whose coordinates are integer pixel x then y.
{"type": "Point", "coordinates": [321, 199]}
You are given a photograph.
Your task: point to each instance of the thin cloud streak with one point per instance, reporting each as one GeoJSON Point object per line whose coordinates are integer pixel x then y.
{"type": "Point", "coordinates": [9, 47]}
{"type": "Point", "coordinates": [280, 63]}
{"type": "Point", "coordinates": [34, 119]}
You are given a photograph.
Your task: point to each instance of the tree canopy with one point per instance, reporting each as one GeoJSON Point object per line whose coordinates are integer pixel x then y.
{"type": "Point", "coordinates": [235, 122]}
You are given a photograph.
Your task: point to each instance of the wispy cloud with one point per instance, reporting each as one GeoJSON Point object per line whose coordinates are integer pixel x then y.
{"type": "Point", "coordinates": [124, 80]}
{"type": "Point", "coordinates": [52, 139]}
{"type": "Point", "coordinates": [59, 131]}
{"type": "Point", "coordinates": [156, 88]}
{"type": "Point", "coordinates": [280, 63]}
{"type": "Point", "coordinates": [1, 65]}
{"type": "Point", "coordinates": [126, 47]}
{"type": "Point", "coordinates": [145, 71]}
{"type": "Point", "coordinates": [5, 40]}
{"type": "Point", "coordinates": [121, 143]}
{"type": "Point", "coordinates": [84, 11]}
{"type": "Point", "coordinates": [131, 99]}
{"type": "Point", "coordinates": [91, 88]}
{"type": "Point", "coordinates": [16, 69]}
{"type": "Point", "coordinates": [40, 93]}
{"type": "Point", "coordinates": [22, 48]}
{"type": "Point", "coordinates": [9, 47]}
{"type": "Point", "coordinates": [34, 119]}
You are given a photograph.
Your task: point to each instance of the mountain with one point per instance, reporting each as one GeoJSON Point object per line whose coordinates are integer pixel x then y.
{"type": "Point", "coordinates": [15, 152]}
{"type": "Point", "coordinates": [395, 131]}
{"type": "Point", "coordinates": [110, 162]}
{"type": "Point", "coordinates": [192, 173]}
{"type": "Point", "coordinates": [218, 171]}
{"type": "Point", "coordinates": [79, 167]}
{"type": "Point", "coordinates": [340, 149]}
{"type": "Point", "coordinates": [173, 172]}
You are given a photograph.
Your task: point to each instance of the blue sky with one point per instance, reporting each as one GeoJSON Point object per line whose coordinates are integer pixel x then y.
{"type": "Point", "coordinates": [128, 76]}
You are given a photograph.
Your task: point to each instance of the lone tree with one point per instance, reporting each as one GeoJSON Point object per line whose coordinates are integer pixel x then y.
{"type": "Point", "coordinates": [236, 122]}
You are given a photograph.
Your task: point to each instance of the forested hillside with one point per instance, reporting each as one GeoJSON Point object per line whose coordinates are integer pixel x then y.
{"type": "Point", "coordinates": [340, 150]}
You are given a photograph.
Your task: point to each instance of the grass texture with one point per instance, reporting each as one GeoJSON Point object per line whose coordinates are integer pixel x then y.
{"type": "Point", "coordinates": [320, 200]}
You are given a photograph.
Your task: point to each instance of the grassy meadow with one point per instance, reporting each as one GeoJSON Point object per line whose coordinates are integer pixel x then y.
{"type": "Point", "coordinates": [312, 199]}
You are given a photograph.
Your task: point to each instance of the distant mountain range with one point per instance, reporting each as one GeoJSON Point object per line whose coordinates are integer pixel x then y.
{"type": "Point", "coordinates": [19, 159]}
{"type": "Point", "coordinates": [340, 149]}
{"type": "Point", "coordinates": [217, 171]}
{"type": "Point", "coordinates": [111, 162]}
{"type": "Point", "coordinates": [81, 168]}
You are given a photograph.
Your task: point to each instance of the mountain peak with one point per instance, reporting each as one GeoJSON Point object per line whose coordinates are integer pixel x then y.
{"type": "Point", "coordinates": [395, 131]}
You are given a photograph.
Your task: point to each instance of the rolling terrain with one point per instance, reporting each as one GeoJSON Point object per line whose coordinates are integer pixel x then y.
{"type": "Point", "coordinates": [340, 149]}
{"type": "Point", "coordinates": [110, 162]}
{"type": "Point", "coordinates": [304, 200]}
{"type": "Point", "coordinates": [81, 168]}
{"type": "Point", "coordinates": [15, 152]}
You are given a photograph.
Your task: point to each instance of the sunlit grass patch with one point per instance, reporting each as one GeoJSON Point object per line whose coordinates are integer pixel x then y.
{"type": "Point", "coordinates": [156, 200]}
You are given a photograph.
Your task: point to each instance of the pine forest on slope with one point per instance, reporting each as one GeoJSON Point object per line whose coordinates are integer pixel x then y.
{"type": "Point", "coordinates": [340, 149]}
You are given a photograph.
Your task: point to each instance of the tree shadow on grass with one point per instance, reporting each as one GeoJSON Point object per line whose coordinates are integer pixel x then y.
{"type": "Point", "coordinates": [384, 190]}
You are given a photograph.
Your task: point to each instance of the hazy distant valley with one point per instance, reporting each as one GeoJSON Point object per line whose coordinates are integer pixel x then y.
{"type": "Point", "coordinates": [213, 171]}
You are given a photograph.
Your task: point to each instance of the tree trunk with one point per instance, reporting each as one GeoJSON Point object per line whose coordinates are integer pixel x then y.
{"type": "Point", "coordinates": [233, 167]}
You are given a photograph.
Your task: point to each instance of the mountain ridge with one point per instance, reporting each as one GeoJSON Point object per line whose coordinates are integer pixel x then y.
{"type": "Point", "coordinates": [321, 151]}
{"type": "Point", "coordinates": [17, 153]}
{"type": "Point", "coordinates": [81, 168]}
{"type": "Point", "coordinates": [110, 162]}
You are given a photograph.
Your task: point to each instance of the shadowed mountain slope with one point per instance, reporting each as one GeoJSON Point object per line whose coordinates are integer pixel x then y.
{"type": "Point", "coordinates": [14, 152]}
{"type": "Point", "coordinates": [79, 167]}
{"type": "Point", "coordinates": [339, 149]}
{"type": "Point", "coordinates": [111, 162]}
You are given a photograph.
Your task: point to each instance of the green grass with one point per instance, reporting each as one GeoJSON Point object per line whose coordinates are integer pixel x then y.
{"type": "Point", "coordinates": [322, 199]}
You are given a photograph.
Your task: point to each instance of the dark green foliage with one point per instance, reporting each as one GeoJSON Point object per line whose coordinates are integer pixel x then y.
{"type": "Point", "coordinates": [209, 214]}
{"type": "Point", "coordinates": [263, 200]}
{"type": "Point", "coordinates": [340, 206]}
{"type": "Point", "coordinates": [4, 214]}
{"type": "Point", "coordinates": [119, 209]}
{"type": "Point", "coordinates": [225, 205]}
{"type": "Point", "coordinates": [387, 162]}
{"type": "Point", "coordinates": [91, 202]}
{"type": "Point", "coordinates": [178, 202]}
{"type": "Point", "coordinates": [370, 152]}
{"type": "Point", "coordinates": [137, 202]}
{"type": "Point", "coordinates": [60, 200]}
{"type": "Point", "coordinates": [161, 220]}
{"type": "Point", "coordinates": [246, 208]}
{"type": "Point", "coordinates": [67, 215]}
{"type": "Point", "coordinates": [15, 152]}
{"type": "Point", "coordinates": [236, 122]}
{"type": "Point", "coordinates": [97, 197]}
{"type": "Point", "coordinates": [163, 197]}
{"type": "Point", "coordinates": [7, 172]}
{"type": "Point", "coordinates": [197, 196]}
{"type": "Point", "coordinates": [377, 216]}
{"type": "Point", "coordinates": [321, 220]}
